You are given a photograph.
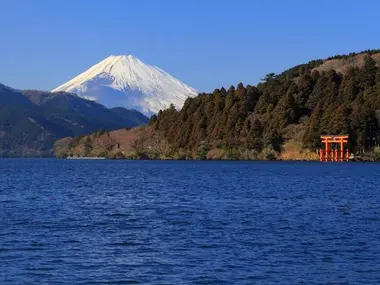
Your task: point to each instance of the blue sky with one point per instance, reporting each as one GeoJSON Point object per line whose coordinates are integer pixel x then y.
{"type": "Point", "coordinates": [205, 43]}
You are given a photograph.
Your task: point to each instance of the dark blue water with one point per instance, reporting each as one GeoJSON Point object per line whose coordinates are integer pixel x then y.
{"type": "Point", "coordinates": [128, 222]}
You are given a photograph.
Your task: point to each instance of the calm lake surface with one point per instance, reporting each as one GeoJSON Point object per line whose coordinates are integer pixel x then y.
{"type": "Point", "coordinates": [178, 222]}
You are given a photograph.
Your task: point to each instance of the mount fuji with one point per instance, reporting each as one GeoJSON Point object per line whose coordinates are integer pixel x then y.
{"type": "Point", "coordinates": [125, 81]}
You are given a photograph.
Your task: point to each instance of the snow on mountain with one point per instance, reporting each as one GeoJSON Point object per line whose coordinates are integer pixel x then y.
{"type": "Point", "coordinates": [125, 81]}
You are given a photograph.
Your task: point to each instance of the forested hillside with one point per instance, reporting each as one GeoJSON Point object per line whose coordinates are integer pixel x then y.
{"type": "Point", "coordinates": [262, 116]}
{"type": "Point", "coordinates": [284, 112]}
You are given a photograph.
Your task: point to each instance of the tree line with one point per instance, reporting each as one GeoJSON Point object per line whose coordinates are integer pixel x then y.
{"type": "Point", "coordinates": [258, 117]}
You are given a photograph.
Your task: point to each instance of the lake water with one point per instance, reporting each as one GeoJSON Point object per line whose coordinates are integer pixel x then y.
{"type": "Point", "coordinates": [178, 222]}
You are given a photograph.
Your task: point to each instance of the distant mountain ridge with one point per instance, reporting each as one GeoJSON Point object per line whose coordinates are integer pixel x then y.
{"type": "Point", "coordinates": [125, 81]}
{"type": "Point", "coordinates": [30, 120]}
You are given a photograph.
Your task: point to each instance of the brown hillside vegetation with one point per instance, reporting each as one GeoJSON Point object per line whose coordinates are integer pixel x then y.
{"type": "Point", "coordinates": [106, 144]}
{"type": "Point", "coordinates": [343, 65]}
{"type": "Point", "coordinates": [137, 143]}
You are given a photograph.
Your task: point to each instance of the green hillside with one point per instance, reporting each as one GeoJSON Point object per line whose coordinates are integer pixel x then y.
{"type": "Point", "coordinates": [299, 104]}
{"type": "Point", "coordinates": [31, 121]}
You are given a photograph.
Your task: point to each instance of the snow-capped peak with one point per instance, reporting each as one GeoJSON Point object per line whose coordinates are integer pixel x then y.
{"type": "Point", "coordinates": [124, 80]}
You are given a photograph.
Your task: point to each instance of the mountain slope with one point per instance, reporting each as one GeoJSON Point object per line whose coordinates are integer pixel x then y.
{"type": "Point", "coordinates": [125, 81]}
{"type": "Point", "coordinates": [30, 121]}
{"type": "Point", "coordinates": [10, 96]}
{"type": "Point", "coordinates": [133, 116]}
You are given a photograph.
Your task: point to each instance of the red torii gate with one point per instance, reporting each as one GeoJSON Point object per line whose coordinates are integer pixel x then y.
{"type": "Point", "coordinates": [335, 148]}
